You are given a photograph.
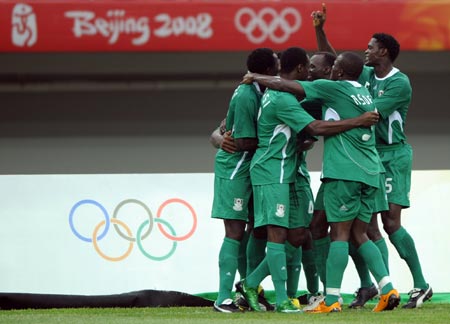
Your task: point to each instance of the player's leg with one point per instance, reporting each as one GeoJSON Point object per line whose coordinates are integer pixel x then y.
{"type": "Point", "coordinates": [341, 207]}
{"type": "Point", "coordinates": [398, 165]}
{"type": "Point", "coordinates": [367, 289]}
{"type": "Point", "coordinates": [234, 213]}
{"type": "Point", "coordinates": [301, 210]}
{"type": "Point", "coordinates": [320, 236]}
{"type": "Point", "coordinates": [389, 297]}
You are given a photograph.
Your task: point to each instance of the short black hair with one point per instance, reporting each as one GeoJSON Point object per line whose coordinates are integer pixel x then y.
{"type": "Point", "coordinates": [329, 57]}
{"type": "Point", "coordinates": [352, 64]}
{"type": "Point", "coordinates": [260, 60]}
{"type": "Point", "coordinates": [390, 43]}
{"type": "Point", "coordinates": [291, 58]}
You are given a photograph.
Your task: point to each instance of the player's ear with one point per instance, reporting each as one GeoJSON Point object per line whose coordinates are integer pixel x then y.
{"type": "Point", "coordinates": [383, 51]}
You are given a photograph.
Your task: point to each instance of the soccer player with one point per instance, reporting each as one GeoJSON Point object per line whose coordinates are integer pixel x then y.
{"type": "Point", "coordinates": [232, 186]}
{"type": "Point", "coordinates": [272, 169]}
{"type": "Point", "coordinates": [391, 92]}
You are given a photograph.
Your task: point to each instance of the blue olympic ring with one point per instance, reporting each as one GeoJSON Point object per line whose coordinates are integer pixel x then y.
{"type": "Point", "coordinates": [105, 213]}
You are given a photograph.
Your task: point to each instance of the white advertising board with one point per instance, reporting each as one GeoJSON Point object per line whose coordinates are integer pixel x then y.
{"type": "Point", "coordinates": [116, 233]}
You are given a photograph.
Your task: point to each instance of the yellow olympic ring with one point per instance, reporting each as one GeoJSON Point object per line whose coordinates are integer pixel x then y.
{"type": "Point", "coordinates": [104, 256]}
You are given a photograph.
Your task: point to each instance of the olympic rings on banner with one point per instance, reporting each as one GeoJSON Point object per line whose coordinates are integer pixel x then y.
{"type": "Point", "coordinates": [151, 257]}
{"type": "Point", "coordinates": [194, 217]}
{"type": "Point", "coordinates": [248, 22]}
{"type": "Point", "coordinates": [124, 231]}
{"type": "Point", "coordinates": [87, 202]}
{"type": "Point", "coordinates": [96, 247]}
{"type": "Point", "coordinates": [149, 213]}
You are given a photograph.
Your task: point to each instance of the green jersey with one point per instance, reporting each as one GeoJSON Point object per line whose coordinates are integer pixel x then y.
{"type": "Point", "coordinates": [280, 118]}
{"type": "Point", "coordinates": [350, 155]}
{"type": "Point", "coordinates": [302, 168]}
{"type": "Point", "coordinates": [241, 120]}
{"type": "Point", "coordinates": [392, 96]}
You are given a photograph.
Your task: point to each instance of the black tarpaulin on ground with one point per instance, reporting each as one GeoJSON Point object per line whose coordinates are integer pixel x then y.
{"type": "Point", "coordinates": [142, 298]}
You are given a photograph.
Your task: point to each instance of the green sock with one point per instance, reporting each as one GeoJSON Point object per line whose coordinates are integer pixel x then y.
{"type": "Point", "coordinates": [381, 245]}
{"type": "Point", "coordinates": [227, 268]}
{"type": "Point", "coordinates": [255, 277]}
{"type": "Point", "coordinates": [309, 268]}
{"type": "Point", "coordinates": [256, 252]}
{"type": "Point", "coordinates": [320, 251]}
{"type": "Point", "coordinates": [374, 260]}
{"type": "Point", "coordinates": [276, 257]}
{"type": "Point", "coordinates": [406, 248]}
{"type": "Point", "coordinates": [293, 257]}
{"type": "Point", "coordinates": [361, 267]}
{"type": "Point", "coordinates": [242, 258]}
{"type": "Point", "coordinates": [336, 263]}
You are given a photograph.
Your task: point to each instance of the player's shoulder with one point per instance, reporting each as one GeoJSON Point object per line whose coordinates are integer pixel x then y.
{"type": "Point", "coordinates": [245, 92]}
{"type": "Point", "coordinates": [398, 77]}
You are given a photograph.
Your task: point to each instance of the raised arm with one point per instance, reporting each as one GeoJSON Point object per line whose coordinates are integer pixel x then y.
{"type": "Point", "coordinates": [328, 128]}
{"type": "Point", "coordinates": [276, 83]}
{"type": "Point", "coordinates": [319, 18]}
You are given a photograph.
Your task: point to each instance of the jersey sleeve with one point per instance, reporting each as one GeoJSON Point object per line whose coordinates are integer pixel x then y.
{"type": "Point", "coordinates": [397, 94]}
{"type": "Point", "coordinates": [245, 117]}
{"type": "Point", "coordinates": [364, 77]}
{"type": "Point", "coordinates": [318, 90]}
{"type": "Point", "coordinates": [293, 115]}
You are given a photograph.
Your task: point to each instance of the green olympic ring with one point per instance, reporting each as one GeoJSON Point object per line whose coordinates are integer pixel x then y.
{"type": "Point", "coordinates": [141, 248]}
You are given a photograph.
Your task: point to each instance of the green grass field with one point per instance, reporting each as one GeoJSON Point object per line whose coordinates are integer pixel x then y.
{"type": "Point", "coordinates": [430, 313]}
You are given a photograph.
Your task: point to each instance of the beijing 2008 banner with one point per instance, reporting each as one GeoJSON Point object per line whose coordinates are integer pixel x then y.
{"type": "Point", "coordinates": [228, 25]}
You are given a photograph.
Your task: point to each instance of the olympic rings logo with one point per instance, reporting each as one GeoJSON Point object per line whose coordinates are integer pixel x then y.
{"type": "Point", "coordinates": [257, 29]}
{"type": "Point", "coordinates": [123, 230]}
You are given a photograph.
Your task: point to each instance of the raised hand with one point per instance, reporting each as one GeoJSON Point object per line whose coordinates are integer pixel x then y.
{"type": "Point", "coordinates": [319, 17]}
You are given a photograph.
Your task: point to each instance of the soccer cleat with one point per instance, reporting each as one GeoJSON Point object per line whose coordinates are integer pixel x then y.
{"type": "Point", "coordinates": [363, 295]}
{"type": "Point", "coordinates": [249, 294]}
{"type": "Point", "coordinates": [303, 299]}
{"type": "Point", "coordinates": [295, 302]}
{"type": "Point", "coordinates": [323, 308]}
{"type": "Point", "coordinates": [241, 302]}
{"type": "Point", "coordinates": [388, 301]}
{"type": "Point", "coordinates": [418, 296]}
{"type": "Point", "coordinates": [314, 301]}
{"type": "Point", "coordinates": [227, 306]}
{"type": "Point", "coordinates": [263, 302]}
{"type": "Point", "coordinates": [287, 307]}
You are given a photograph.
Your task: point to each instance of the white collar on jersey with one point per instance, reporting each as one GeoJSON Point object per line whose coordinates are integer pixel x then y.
{"type": "Point", "coordinates": [391, 73]}
{"type": "Point", "coordinates": [256, 84]}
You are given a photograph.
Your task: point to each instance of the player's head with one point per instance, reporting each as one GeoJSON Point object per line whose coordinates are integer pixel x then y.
{"type": "Point", "coordinates": [381, 46]}
{"type": "Point", "coordinates": [295, 62]}
{"type": "Point", "coordinates": [320, 65]}
{"type": "Point", "coordinates": [263, 61]}
{"type": "Point", "coordinates": [348, 66]}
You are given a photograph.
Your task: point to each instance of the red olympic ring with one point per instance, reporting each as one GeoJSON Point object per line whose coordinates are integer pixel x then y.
{"type": "Point", "coordinates": [194, 217]}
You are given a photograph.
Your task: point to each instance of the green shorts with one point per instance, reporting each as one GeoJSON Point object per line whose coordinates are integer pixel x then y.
{"type": "Point", "coordinates": [271, 204]}
{"type": "Point", "coordinates": [231, 198]}
{"type": "Point", "coordinates": [302, 204]}
{"type": "Point", "coordinates": [398, 165]}
{"type": "Point", "coordinates": [318, 202]}
{"type": "Point", "coordinates": [347, 200]}
{"type": "Point", "coordinates": [380, 198]}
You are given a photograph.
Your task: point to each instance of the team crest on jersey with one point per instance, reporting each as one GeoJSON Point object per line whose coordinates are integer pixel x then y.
{"type": "Point", "coordinates": [380, 93]}
{"type": "Point", "coordinates": [238, 202]}
{"type": "Point", "coordinates": [280, 210]}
